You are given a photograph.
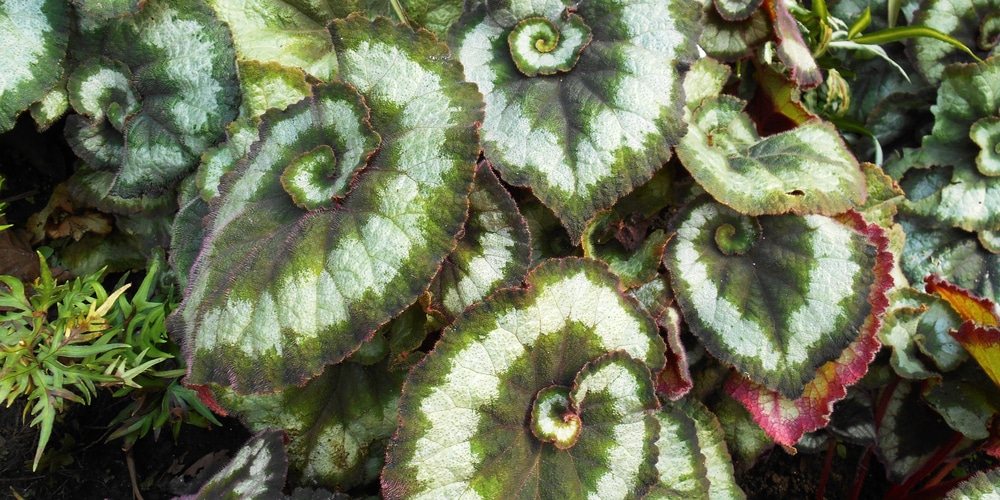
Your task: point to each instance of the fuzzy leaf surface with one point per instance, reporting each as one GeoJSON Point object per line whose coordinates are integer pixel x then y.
{"type": "Point", "coordinates": [257, 471]}
{"type": "Point", "coordinates": [337, 424]}
{"type": "Point", "coordinates": [33, 34]}
{"type": "Point", "coordinates": [160, 94]}
{"type": "Point", "coordinates": [805, 170]}
{"type": "Point", "coordinates": [279, 291]}
{"type": "Point", "coordinates": [775, 296]}
{"type": "Point", "coordinates": [493, 253]}
{"type": "Point", "coordinates": [465, 410]}
{"type": "Point", "coordinates": [590, 136]}
{"type": "Point", "coordinates": [968, 21]}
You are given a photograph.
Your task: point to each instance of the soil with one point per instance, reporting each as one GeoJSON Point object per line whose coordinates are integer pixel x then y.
{"type": "Point", "coordinates": [80, 464]}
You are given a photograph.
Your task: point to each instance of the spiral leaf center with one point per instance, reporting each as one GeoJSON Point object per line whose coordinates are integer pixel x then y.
{"type": "Point", "coordinates": [737, 239]}
{"type": "Point", "coordinates": [540, 46]}
{"type": "Point", "coordinates": [553, 418]}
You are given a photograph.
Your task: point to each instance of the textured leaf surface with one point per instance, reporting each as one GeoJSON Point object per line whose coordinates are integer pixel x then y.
{"type": "Point", "coordinates": [967, 400]}
{"type": "Point", "coordinates": [776, 296]}
{"type": "Point", "coordinates": [277, 291]}
{"type": "Point", "coordinates": [732, 41]}
{"type": "Point", "coordinates": [292, 33]}
{"type": "Point", "coordinates": [33, 34]}
{"type": "Point", "coordinates": [981, 486]}
{"type": "Point", "coordinates": [910, 431]}
{"type": "Point", "coordinates": [711, 441]}
{"type": "Point", "coordinates": [583, 140]}
{"type": "Point", "coordinates": [963, 20]}
{"type": "Point", "coordinates": [493, 253]}
{"type": "Point", "coordinates": [983, 343]}
{"type": "Point", "coordinates": [736, 10]}
{"type": "Point", "coordinates": [337, 424]}
{"type": "Point", "coordinates": [257, 471]}
{"type": "Point", "coordinates": [269, 85]}
{"type": "Point", "coordinates": [955, 255]}
{"type": "Point", "coordinates": [681, 465]}
{"type": "Point", "coordinates": [162, 93]}
{"type": "Point", "coordinates": [464, 425]}
{"type": "Point", "coordinates": [792, 49]}
{"type": "Point", "coordinates": [785, 419]}
{"type": "Point", "coordinates": [805, 170]}
{"type": "Point", "coordinates": [965, 116]}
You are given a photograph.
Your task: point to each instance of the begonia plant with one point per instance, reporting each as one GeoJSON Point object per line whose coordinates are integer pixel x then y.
{"type": "Point", "coordinates": [542, 248]}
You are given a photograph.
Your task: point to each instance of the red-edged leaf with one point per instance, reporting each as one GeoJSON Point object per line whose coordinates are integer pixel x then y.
{"type": "Point", "coordinates": [792, 50]}
{"type": "Point", "coordinates": [983, 343]}
{"type": "Point", "coordinates": [787, 420]}
{"type": "Point", "coordinates": [971, 308]}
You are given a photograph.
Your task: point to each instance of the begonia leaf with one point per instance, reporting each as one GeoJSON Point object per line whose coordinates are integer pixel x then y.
{"type": "Point", "coordinates": [493, 253]}
{"type": "Point", "coordinates": [256, 471]}
{"type": "Point", "coordinates": [736, 10]}
{"type": "Point", "coordinates": [777, 296]}
{"type": "Point", "coordinates": [732, 41]}
{"type": "Point", "coordinates": [853, 418]}
{"type": "Point", "coordinates": [745, 440]}
{"type": "Point", "coordinates": [910, 432]}
{"type": "Point", "coordinates": [900, 327]}
{"type": "Point", "coordinates": [785, 419]}
{"type": "Point", "coordinates": [160, 94]}
{"type": "Point", "coordinates": [291, 33]}
{"type": "Point", "coordinates": [969, 93]}
{"type": "Point", "coordinates": [570, 342]}
{"type": "Point", "coordinates": [602, 127]}
{"type": "Point", "coordinates": [982, 485]}
{"type": "Point", "coordinates": [51, 107]}
{"type": "Point", "coordinates": [978, 310]}
{"type": "Point", "coordinates": [884, 195]}
{"type": "Point", "coordinates": [337, 424]}
{"type": "Point", "coordinates": [269, 85]}
{"type": "Point", "coordinates": [955, 255]}
{"type": "Point", "coordinates": [983, 343]}
{"type": "Point", "coordinates": [805, 170]}
{"type": "Point", "coordinates": [960, 19]}
{"type": "Point", "coordinates": [635, 266]}
{"type": "Point", "coordinates": [103, 10]}
{"type": "Point", "coordinates": [34, 34]}
{"type": "Point", "coordinates": [792, 49]}
{"type": "Point", "coordinates": [985, 132]}
{"type": "Point", "coordinates": [967, 399]}
{"type": "Point", "coordinates": [90, 186]}
{"type": "Point", "coordinates": [711, 442]}
{"type": "Point", "coordinates": [681, 465]}
{"type": "Point", "coordinates": [674, 381]}
{"type": "Point", "coordinates": [278, 291]}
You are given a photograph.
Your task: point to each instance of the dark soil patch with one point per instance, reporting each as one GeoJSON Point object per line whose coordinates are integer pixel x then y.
{"type": "Point", "coordinates": [79, 464]}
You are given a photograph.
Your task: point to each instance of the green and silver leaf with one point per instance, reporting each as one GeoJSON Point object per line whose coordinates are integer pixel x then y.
{"type": "Point", "coordinates": [292, 33]}
{"type": "Point", "coordinates": [257, 471]}
{"type": "Point", "coordinates": [590, 135]}
{"type": "Point", "coordinates": [34, 34]}
{"type": "Point", "coordinates": [775, 296]}
{"type": "Point", "coordinates": [805, 170]}
{"type": "Point", "coordinates": [494, 251]}
{"type": "Point", "coordinates": [980, 486]}
{"type": "Point", "coordinates": [964, 20]}
{"type": "Point", "coordinates": [957, 256]}
{"type": "Point", "coordinates": [279, 291]}
{"type": "Point", "coordinates": [337, 424]}
{"type": "Point", "coordinates": [161, 93]}
{"type": "Point", "coordinates": [465, 410]}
